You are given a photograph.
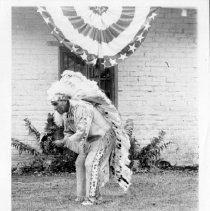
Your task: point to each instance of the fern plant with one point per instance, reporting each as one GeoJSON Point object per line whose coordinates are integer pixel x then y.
{"type": "Point", "coordinates": [32, 129]}
{"type": "Point", "coordinates": [21, 147]}
{"type": "Point", "coordinates": [52, 158]}
{"type": "Point", "coordinates": [52, 133]}
{"type": "Point", "coordinates": [129, 127]}
{"type": "Point", "coordinates": [150, 155]}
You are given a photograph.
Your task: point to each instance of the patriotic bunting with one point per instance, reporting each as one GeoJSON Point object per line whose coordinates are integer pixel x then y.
{"type": "Point", "coordinates": [107, 33]}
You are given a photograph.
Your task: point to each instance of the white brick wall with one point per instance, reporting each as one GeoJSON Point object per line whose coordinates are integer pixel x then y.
{"type": "Point", "coordinates": [158, 97]}
{"type": "Point", "coordinates": [155, 96]}
{"type": "Point", "coordinates": [34, 67]}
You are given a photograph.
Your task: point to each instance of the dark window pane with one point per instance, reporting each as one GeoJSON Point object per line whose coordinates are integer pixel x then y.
{"type": "Point", "coordinates": [104, 77]}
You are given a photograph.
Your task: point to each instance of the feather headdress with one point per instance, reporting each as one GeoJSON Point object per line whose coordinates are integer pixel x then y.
{"type": "Point", "coordinates": [77, 87]}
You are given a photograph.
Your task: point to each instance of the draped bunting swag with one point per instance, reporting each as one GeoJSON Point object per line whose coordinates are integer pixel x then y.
{"type": "Point", "coordinates": [112, 34]}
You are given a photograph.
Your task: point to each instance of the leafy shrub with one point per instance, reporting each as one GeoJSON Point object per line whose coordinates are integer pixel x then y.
{"type": "Point", "coordinates": [150, 154]}
{"type": "Point", "coordinates": [21, 147]}
{"type": "Point", "coordinates": [129, 127]}
{"type": "Point", "coordinates": [52, 158]}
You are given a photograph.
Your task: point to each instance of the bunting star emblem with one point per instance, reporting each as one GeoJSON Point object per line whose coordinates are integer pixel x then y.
{"type": "Point", "coordinates": [74, 49]}
{"type": "Point", "coordinates": [153, 15]}
{"type": "Point", "coordinates": [61, 41]}
{"type": "Point", "coordinates": [113, 61]}
{"type": "Point", "coordinates": [146, 26]}
{"type": "Point", "coordinates": [140, 37]}
{"type": "Point", "coordinates": [54, 30]}
{"type": "Point", "coordinates": [94, 61]}
{"type": "Point", "coordinates": [103, 63]}
{"type": "Point", "coordinates": [132, 47]}
{"type": "Point", "coordinates": [123, 56]}
{"type": "Point", "coordinates": [40, 10]}
{"type": "Point", "coordinates": [84, 56]}
{"type": "Point", "coordinates": [47, 20]}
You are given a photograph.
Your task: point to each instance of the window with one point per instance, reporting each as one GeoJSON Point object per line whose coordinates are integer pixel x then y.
{"type": "Point", "coordinates": [105, 78]}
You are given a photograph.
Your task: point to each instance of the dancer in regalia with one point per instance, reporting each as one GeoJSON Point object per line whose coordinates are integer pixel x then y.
{"type": "Point", "coordinates": [93, 129]}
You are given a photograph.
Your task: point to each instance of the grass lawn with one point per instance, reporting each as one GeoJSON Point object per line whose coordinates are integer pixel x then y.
{"type": "Point", "coordinates": [164, 190]}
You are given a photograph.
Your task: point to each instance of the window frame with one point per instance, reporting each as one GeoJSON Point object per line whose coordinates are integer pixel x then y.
{"type": "Point", "coordinates": [114, 72]}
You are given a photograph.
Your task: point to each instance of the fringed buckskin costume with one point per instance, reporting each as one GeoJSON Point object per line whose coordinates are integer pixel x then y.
{"type": "Point", "coordinates": [93, 129]}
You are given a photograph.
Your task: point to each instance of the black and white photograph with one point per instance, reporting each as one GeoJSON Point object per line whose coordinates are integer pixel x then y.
{"type": "Point", "coordinates": [108, 106]}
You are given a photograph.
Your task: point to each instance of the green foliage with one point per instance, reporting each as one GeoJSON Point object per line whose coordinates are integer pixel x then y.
{"type": "Point", "coordinates": [52, 159]}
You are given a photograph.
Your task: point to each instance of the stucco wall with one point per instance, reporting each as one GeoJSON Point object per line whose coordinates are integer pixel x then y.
{"type": "Point", "coordinates": [158, 85]}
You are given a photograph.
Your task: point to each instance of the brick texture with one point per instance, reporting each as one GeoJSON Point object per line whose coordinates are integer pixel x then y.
{"type": "Point", "coordinates": [157, 85]}
{"type": "Point", "coordinates": [34, 68]}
